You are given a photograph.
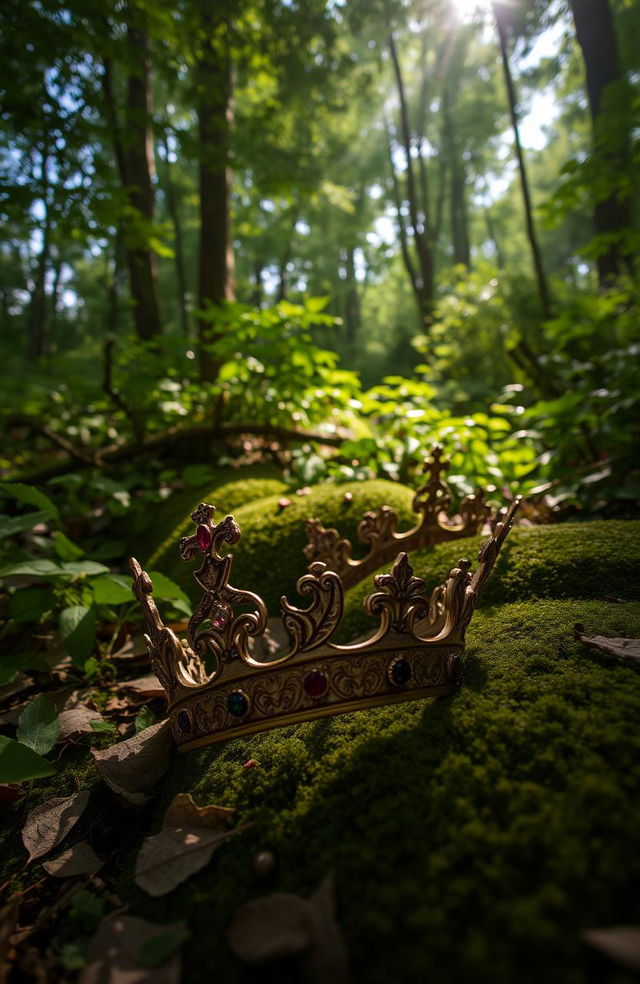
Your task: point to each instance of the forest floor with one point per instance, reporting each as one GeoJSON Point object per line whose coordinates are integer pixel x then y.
{"type": "Point", "coordinates": [477, 837]}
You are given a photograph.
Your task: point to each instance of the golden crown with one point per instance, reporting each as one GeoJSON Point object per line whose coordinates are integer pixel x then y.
{"type": "Point", "coordinates": [378, 528]}
{"type": "Point", "coordinates": [219, 685]}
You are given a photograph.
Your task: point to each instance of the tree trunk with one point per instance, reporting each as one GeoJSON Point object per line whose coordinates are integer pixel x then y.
{"type": "Point", "coordinates": [37, 315]}
{"type": "Point", "coordinates": [595, 32]}
{"type": "Point", "coordinates": [215, 116]}
{"type": "Point", "coordinates": [174, 213]}
{"type": "Point", "coordinates": [541, 280]}
{"type": "Point", "coordinates": [457, 199]}
{"type": "Point", "coordinates": [351, 299]}
{"type": "Point", "coordinates": [143, 270]}
{"type": "Point", "coordinates": [256, 293]}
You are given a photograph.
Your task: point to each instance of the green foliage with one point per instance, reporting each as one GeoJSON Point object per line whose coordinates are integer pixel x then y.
{"type": "Point", "coordinates": [19, 763]}
{"type": "Point", "coordinates": [38, 726]}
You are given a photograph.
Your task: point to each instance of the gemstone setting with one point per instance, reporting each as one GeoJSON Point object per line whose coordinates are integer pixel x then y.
{"type": "Point", "coordinates": [399, 671]}
{"type": "Point", "coordinates": [315, 684]}
{"type": "Point", "coordinates": [237, 703]}
{"type": "Point", "coordinates": [203, 536]}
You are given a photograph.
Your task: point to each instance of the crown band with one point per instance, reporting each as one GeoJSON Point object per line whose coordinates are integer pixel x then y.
{"type": "Point", "coordinates": [218, 688]}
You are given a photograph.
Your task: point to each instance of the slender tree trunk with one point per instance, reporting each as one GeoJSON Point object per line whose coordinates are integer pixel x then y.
{"type": "Point", "coordinates": [595, 32]}
{"type": "Point", "coordinates": [541, 280]}
{"type": "Point", "coordinates": [457, 199]}
{"type": "Point", "coordinates": [215, 115]}
{"type": "Point", "coordinates": [256, 294]}
{"type": "Point", "coordinates": [351, 299]}
{"type": "Point", "coordinates": [37, 315]}
{"type": "Point", "coordinates": [178, 246]}
{"type": "Point", "coordinates": [491, 232]}
{"type": "Point", "coordinates": [52, 320]}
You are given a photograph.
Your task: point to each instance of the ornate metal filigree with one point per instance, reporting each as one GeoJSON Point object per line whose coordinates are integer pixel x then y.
{"type": "Point", "coordinates": [378, 528]}
{"type": "Point", "coordinates": [218, 688]}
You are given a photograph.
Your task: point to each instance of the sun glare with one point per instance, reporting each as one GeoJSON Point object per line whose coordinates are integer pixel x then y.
{"type": "Point", "coordinates": [467, 10]}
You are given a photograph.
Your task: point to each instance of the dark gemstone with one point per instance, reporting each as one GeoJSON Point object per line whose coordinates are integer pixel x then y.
{"type": "Point", "coordinates": [184, 722]}
{"type": "Point", "coordinates": [400, 672]}
{"type": "Point", "coordinates": [315, 683]}
{"type": "Point", "coordinates": [203, 536]}
{"type": "Point", "coordinates": [237, 703]}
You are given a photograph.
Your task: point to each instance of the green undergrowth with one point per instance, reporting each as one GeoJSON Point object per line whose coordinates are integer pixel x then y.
{"type": "Point", "coordinates": [269, 558]}
{"type": "Point", "coordinates": [472, 838]}
{"type": "Point", "coordinates": [572, 560]}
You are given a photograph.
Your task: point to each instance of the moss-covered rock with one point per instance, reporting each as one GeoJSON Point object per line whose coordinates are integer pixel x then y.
{"type": "Point", "coordinates": [472, 838]}
{"type": "Point", "coordinates": [269, 558]}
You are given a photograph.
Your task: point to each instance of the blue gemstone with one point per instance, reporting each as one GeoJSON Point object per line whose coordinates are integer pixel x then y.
{"type": "Point", "coordinates": [237, 703]}
{"type": "Point", "coordinates": [400, 672]}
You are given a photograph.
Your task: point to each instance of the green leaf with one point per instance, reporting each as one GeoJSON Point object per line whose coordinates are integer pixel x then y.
{"type": "Point", "coordinates": [32, 568]}
{"type": "Point", "coordinates": [65, 548]}
{"type": "Point", "coordinates": [32, 496]}
{"type": "Point", "coordinates": [112, 589]}
{"type": "Point", "coordinates": [12, 525]}
{"type": "Point", "coordinates": [38, 725]}
{"type": "Point", "coordinates": [84, 567]}
{"type": "Point", "coordinates": [78, 630]}
{"type": "Point", "coordinates": [30, 604]}
{"type": "Point", "coordinates": [159, 949]}
{"type": "Point", "coordinates": [18, 762]}
{"type": "Point", "coordinates": [8, 672]}
{"type": "Point", "coordinates": [164, 587]}
{"type": "Point", "coordinates": [102, 726]}
{"type": "Point", "coordinates": [144, 719]}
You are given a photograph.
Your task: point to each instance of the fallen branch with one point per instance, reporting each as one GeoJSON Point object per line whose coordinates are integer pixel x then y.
{"type": "Point", "coordinates": [164, 441]}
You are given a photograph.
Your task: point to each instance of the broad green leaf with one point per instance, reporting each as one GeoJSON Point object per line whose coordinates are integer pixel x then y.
{"type": "Point", "coordinates": [32, 568]}
{"type": "Point", "coordinates": [84, 567]}
{"type": "Point", "coordinates": [164, 587]}
{"type": "Point", "coordinates": [32, 496]}
{"type": "Point", "coordinates": [38, 725]}
{"type": "Point", "coordinates": [78, 630]}
{"type": "Point", "coordinates": [18, 762]}
{"type": "Point", "coordinates": [112, 589]}
{"type": "Point", "coordinates": [65, 548]}
{"type": "Point", "coordinates": [144, 719]}
{"type": "Point", "coordinates": [158, 949]}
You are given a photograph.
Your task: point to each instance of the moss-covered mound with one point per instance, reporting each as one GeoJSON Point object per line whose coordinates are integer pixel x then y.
{"type": "Point", "coordinates": [269, 558]}
{"type": "Point", "coordinates": [472, 838]}
{"type": "Point", "coordinates": [231, 491]}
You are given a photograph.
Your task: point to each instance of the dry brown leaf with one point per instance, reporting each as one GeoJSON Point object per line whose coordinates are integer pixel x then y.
{"type": "Point", "coordinates": [114, 953]}
{"type": "Point", "coordinates": [284, 925]}
{"type": "Point", "coordinates": [133, 647]}
{"type": "Point", "coordinates": [620, 943]}
{"type": "Point", "coordinates": [77, 721]}
{"type": "Point", "coordinates": [8, 922]}
{"type": "Point", "coordinates": [265, 929]}
{"type": "Point", "coordinates": [626, 650]}
{"type": "Point", "coordinates": [132, 768]}
{"type": "Point", "coordinates": [183, 812]}
{"type": "Point", "coordinates": [50, 823]}
{"type": "Point", "coordinates": [80, 859]}
{"type": "Point", "coordinates": [170, 857]}
{"type": "Point", "coordinates": [146, 686]}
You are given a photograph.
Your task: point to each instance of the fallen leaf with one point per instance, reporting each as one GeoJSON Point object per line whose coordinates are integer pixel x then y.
{"type": "Point", "coordinates": [77, 721]}
{"type": "Point", "coordinates": [277, 926]}
{"type": "Point", "coordinates": [8, 922]}
{"type": "Point", "coordinates": [284, 925]}
{"type": "Point", "coordinates": [49, 823]}
{"type": "Point", "coordinates": [183, 812]}
{"type": "Point", "coordinates": [626, 650]}
{"type": "Point", "coordinates": [114, 955]}
{"type": "Point", "coordinates": [132, 768]}
{"type": "Point", "coordinates": [146, 686]}
{"type": "Point", "coordinates": [80, 859]}
{"type": "Point", "coordinates": [620, 943]}
{"type": "Point", "coordinates": [170, 857]}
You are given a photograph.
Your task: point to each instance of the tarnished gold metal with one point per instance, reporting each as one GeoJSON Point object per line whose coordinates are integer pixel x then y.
{"type": "Point", "coordinates": [216, 686]}
{"type": "Point", "coordinates": [378, 529]}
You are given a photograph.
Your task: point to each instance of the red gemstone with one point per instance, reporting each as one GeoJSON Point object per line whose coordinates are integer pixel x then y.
{"type": "Point", "coordinates": [315, 683]}
{"type": "Point", "coordinates": [218, 622]}
{"type": "Point", "coordinates": [203, 536]}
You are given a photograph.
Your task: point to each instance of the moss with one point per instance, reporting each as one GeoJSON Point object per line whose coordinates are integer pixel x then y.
{"type": "Point", "coordinates": [232, 491]}
{"type": "Point", "coordinates": [574, 560]}
{"type": "Point", "coordinates": [472, 838]}
{"type": "Point", "coordinates": [269, 558]}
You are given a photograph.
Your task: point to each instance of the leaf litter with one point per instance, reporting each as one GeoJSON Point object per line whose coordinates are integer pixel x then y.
{"type": "Point", "coordinates": [132, 768]}
{"type": "Point", "coordinates": [625, 650]}
{"type": "Point", "coordinates": [123, 948]}
{"type": "Point", "coordinates": [79, 860]}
